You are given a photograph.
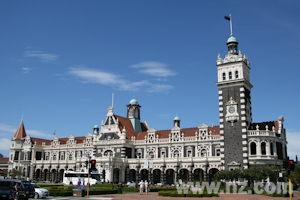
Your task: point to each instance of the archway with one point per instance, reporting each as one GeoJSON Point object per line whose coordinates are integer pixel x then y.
{"type": "Point", "coordinates": [38, 174]}
{"type": "Point", "coordinates": [156, 176]}
{"type": "Point", "coordinates": [170, 176]}
{"type": "Point", "coordinates": [184, 175]}
{"type": "Point", "coordinates": [45, 175]}
{"type": "Point", "coordinates": [116, 175]}
{"type": "Point", "coordinates": [53, 175]}
{"type": "Point", "coordinates": [198, 175]}
{"type": "Point", "coordinates": [61, 175]}
{"type": "Point", "coordinates": [144, 174]}
{"type": "Point", "coordinates": [132, 175]}
{"type": "Point", "coordinates": [212, 173]}
{"type": "Point", "coordinates": [103, 175]}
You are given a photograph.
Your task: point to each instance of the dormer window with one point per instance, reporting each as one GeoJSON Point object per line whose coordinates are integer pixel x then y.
{"type": "Point", "coordinates": [230, 75]}
{"type": "Point", "coordinates": [236, 74]}
{"type": "Point", "coordinates": [224, 76]}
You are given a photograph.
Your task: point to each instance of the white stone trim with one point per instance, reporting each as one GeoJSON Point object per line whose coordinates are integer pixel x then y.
{"type": "Point", "coordinates": [220, 92]}
{"type": "Point", "coordinates": [242, 89]}
{"type": "Point", "coordinates": [242, 100]}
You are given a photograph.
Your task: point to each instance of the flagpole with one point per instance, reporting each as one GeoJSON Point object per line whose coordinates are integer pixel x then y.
{"type": "Point", "coordinates": [230, 24]}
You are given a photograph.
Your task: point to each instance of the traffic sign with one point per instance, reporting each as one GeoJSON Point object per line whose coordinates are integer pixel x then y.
{"type": "Point", "coordinates": [85, 154]}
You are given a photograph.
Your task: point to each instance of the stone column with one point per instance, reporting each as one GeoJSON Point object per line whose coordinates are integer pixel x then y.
{"type": "Point", "coordinates": [258, 149]}
{"type": "Point", "coordinates": [149, 175]}
{"type": "Point", "coordinates": [176, 172]}
{"type": "Point", "coordinates": [268, 149]}
{"type": "Point", "coordinates": [42, 174]}
{"type": "Point", "coordinates": [57, 173]}
{"type": "Point", "coordinates": [191, 173]}
{"type": "Point", "coordinates": [127, 174]}
{"type": "Point", "coordinates": [49, 174]}
{"type": "Point", "coordinates": [162, 175]}
{"type": "Point", "coordinates": [138, 174]}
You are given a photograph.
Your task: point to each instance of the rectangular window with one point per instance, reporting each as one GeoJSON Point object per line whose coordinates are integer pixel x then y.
{"type": "Point", "coordinates": [218, 152]}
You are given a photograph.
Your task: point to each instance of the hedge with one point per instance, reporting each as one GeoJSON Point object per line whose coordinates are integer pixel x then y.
{"type": "Point", "coordinates": [165, 193]}
{"type": "Point", "coordinates": [162, 189]}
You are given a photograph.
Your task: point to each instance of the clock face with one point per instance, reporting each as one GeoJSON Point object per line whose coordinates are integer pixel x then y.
{"type": "Point", "coordinates": [231, 109]}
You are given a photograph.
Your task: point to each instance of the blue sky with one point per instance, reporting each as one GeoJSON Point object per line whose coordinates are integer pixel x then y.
{"type": "Point", "coordinates": [62, 60]}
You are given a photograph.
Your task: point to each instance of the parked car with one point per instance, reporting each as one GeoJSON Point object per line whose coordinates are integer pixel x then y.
{"type": "Point", "coordinates": [40, 192]}
{"type": "Point", "coordinates": [25, 189]}
{"type": "Point", "coordinates": [5, 195]}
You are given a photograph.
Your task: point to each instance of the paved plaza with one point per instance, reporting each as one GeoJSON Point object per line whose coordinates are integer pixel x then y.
{"type": "Point", "coordinates": [154, 196]}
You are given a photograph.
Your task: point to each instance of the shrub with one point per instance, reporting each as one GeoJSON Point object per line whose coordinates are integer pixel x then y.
{"type": "Point", "coordinates": [175, 194]}
{"type": "Point", "coordinates": [130, 189]}
{"type": "Point", "coordinates": [165, 193]}
{"type": "Point", "coordinates": [191, 194]}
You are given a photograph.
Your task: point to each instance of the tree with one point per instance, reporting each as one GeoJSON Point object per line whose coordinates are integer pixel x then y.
{"type": "Point", "coordinates": [296, 173]}
{"type": "Point", "coordinates": [1, 155]}
{"type": "Point", "coordinates": [14, 173]}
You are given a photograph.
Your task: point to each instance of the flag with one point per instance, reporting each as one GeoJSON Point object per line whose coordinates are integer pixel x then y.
{"type": "Point", "coordinates": [227, 17]}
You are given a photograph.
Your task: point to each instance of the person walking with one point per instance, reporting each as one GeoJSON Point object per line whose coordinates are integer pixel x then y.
{"type": "Point", "coordinates": [141, 184]}
{"type": "Point", "coordinates": [146, 186]}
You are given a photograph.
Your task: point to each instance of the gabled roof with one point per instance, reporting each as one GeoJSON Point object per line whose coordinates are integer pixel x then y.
{"type": "Point", "coordinates": [262, 126]}
{"type": "Point", "coordinates": [20, 133]}
{"type": "Point", "coordinates": [124, 122]}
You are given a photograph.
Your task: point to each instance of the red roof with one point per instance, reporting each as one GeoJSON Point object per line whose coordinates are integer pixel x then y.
{"type": "Point", "coordinates": [61, 140]}
{"type": "Point", "coordinates": [20, 133]}
{"type": "Point", "coordinates": [4, 160]}
{"type": "Point", "coordinates": [262, 126]}
{"type": "Point", "coordinates": [161, 134]}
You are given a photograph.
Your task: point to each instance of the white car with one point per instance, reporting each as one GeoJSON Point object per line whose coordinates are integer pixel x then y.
{"type": "Point", "coordinates": [40, 192]}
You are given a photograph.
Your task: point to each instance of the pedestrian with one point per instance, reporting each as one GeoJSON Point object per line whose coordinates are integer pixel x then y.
{"type": "Point", "coordinates": [79, 182]}
{"type": "Point", "coordinates": [146, 186]}
{"type": "Point", "coordinates": [141, 184]}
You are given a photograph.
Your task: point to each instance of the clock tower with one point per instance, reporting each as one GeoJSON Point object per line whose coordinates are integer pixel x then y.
{"type": "Point", "coordinates": [234, 106]}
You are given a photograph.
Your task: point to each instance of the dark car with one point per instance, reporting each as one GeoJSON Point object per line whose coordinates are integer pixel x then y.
{"type": "Point", "coordinates": [25, 189]}
{"type": "Point", "coordinates": [5, 195]}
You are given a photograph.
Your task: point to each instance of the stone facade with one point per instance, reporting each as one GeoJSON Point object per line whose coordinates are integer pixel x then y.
{"type": "Point", "coordinates": [127, 150]}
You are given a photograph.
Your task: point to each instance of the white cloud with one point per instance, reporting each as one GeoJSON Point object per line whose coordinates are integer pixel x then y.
{"type": "Point", "coordinates": [7, 128]}
{"type": "Point", "coordinates": [5, 144]}
{"type": "Point", "coordinates": [116, 81]}
{"type": "Point", "coordinates": [154, 68]}
{"type": "Point", "coordinates": [9, 132]}
{"type": "Point", "coordinates": [26, 70]}
{"type": "Point", "coordinates": [43, 57]}
{"type": "Point", "coordinates": [293, 147]}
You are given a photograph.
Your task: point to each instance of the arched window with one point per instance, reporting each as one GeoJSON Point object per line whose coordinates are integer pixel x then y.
{"type": "Point", "coordinates": [151, 154]}
{"type": "Point", "coordinates": [224, 76]}
{"type": "Point", "coordinates": [230, 75]}
{"type": "Point", "coordinates": [176, 154]}
{"type": "Point", "coordinates": [271, 148]}
{"type": "Point", "coordinates": [263, 148]}
{"type": "Point", "coordinates": [131, 112]}
{"type": "Point", "coordinates": [236, 74]}
{"type": "Point", "coordinates": [108, 153]}
{"type": "Point", "coordinates": [253, 148]}
{"type": "Point", "coordinates": [203, 153]}
{"type": "Point", "coordinates": [136, 113]}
